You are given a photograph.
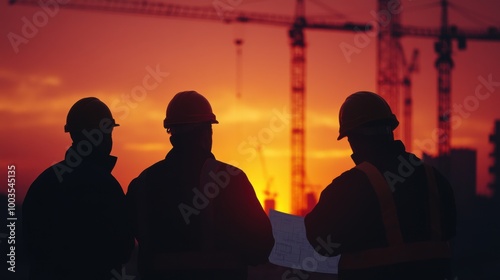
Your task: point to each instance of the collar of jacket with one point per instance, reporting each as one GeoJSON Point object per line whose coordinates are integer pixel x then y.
{"type": "Point", "coordinates": [105, 163]}
{"type": "Point", "coordinates": [189, 152]}
{"type": "Point", "coordinates": [383, 153]}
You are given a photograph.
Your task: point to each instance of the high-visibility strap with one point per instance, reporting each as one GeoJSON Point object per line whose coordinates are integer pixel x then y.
{"type": "Point", "coordinates": [386, 201]}
{"type": "Point", "coordinates": [398, 251]}
{"type": "Point", "coordinates": [196, 260]}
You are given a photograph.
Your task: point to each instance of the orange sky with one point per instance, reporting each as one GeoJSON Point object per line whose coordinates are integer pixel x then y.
{"type": "Point", "coordinates": [82, 53]}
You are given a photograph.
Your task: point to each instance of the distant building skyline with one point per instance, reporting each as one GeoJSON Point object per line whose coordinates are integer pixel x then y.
{"type": "Point", "coordinates": [494, 169]}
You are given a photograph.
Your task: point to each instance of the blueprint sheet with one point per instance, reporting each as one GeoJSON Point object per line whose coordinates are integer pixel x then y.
{"type": "Point", "coordinates": [291, 248]}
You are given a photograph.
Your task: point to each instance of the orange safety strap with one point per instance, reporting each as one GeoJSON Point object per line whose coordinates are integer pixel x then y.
{"type": "Point", "coordinates": [387, 205]}
{"type": "Point", "coordinates": [398, 251]}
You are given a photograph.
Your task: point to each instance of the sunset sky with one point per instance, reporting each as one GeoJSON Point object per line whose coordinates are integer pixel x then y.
{"type": "Point", "coordinates": [87, 53]}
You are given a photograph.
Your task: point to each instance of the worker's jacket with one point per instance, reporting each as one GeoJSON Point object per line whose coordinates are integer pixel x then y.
{"type": "Point", "coordinates": [390, 217]}
{"type": "Point", "coordinates": [74, 221]}
{"type": "Point", "coordinates": [197, 218]}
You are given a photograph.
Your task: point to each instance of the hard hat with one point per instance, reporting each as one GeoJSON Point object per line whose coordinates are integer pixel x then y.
{"type": "Point", "coordinates": [188, 107]}
{"type": "Point", "coordinates": [87, 113]}
{"type": "Point", "coordinates": [361, 108]}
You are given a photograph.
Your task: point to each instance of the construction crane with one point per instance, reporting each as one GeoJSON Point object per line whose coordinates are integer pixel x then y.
{"type": "Point", "coordinates": [298, 75]}
{"type": "Point", "coordinates": [408, 70]}
{"type": "Point", "coordinates": [389, 36]}
{"type": "Point", "coordinates": [296, 24]}
{"type": "Point", "coordinates": [444, 65]}
{"type": "Point", "coordinates": [388, 81]}
{"type": "Point", "coordinates": [239, 66]}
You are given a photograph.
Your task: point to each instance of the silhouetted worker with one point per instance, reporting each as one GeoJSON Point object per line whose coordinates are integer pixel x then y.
{"type": "Point", "coordinates": [195, 217]}
{"type": "Point", "coordinates": [74, 214]}
{"type": "Point", "coordinates": [391, 216]}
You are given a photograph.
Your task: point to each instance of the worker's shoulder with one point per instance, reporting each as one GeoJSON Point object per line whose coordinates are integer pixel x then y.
{"type": "Point", "coordinates": [154, 169]}
{"type": "Point", "coordinates": [153, 173]}
{"type": "Point", "coordinates": [46, 183]}
{"type": "Point", "coordinates": [349, 180]}
{"type": "Point", "coordinates": [353, 174]}
{"type": "Point", "coordinates": [441, 180]}
{"type": "Point", "coordinates": [215, 165]}
{"type": "Point", "coordinates": [50, 175]}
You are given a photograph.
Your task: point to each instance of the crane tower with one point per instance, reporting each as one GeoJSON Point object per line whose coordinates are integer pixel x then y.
{"type": "Point", "coordinates": [297, 102]}
{"type": "Point", "coordinates": [388, 82]}
{"type": "Point", "coordinates": [444, 65]}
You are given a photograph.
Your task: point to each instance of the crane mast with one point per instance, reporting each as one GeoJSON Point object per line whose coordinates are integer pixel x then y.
{"type": "Point", "coordinates": [408, 69]}
{"type": "Point", "coordinates": [388, 38]}
{"type": "Point", "coordinates": [388, 82]}
{"type": "Point", "coordinates": [444, 65]}
{"type": "Point", "coordinates": [298, 46]}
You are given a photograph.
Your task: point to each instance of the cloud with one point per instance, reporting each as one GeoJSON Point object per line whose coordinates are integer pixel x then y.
{"type": "Point", "coordinates": [241, 114]}
{"type": "Point", "coordinates": [332, 153]}
{"type": "Point", "coordinates": [313, 154]}
{"type": "Point", "coordinates": [466, 142]}
{"type": "Point", "coordinates": [145, 147]}
{"type": "Point", "coordinates": [36, 100]}
{"type": "Point", "coordinates": [28, 85]}
{"type": "Point", "coordinates": [6, 74]}
{"type": "Point", "coordinates": [322, 120]}
{"type": "Point", "coordinates": [53, 81]}
{"type": "Point", "coordinates": [155, 115]}
{"type": "Point", "coordinates": [31, 93]}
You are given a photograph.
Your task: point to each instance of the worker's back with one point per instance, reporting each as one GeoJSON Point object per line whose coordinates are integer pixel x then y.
{"type": "Point", "coordinates": [356, 220]}
{"type": "Point", "coordinates": [219, 231]}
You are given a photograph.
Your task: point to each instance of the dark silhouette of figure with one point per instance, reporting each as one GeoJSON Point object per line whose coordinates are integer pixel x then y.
{"type": "Point", "coordinates": [74, 215]}
{"type": "Point", "coordinates": [195, 217]}
{"type": "Point", "coordinates": [390, 217]}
